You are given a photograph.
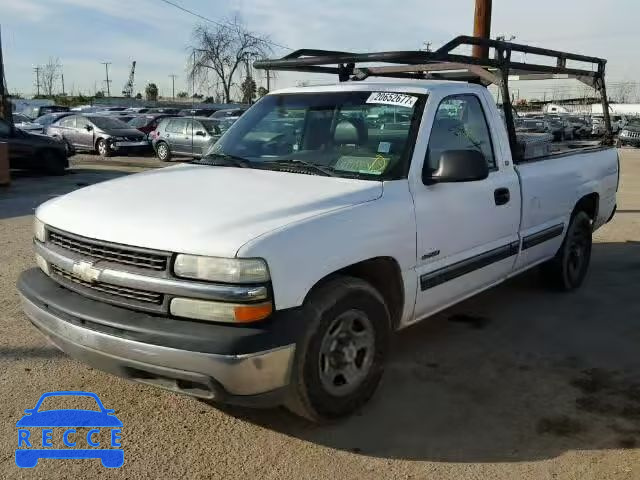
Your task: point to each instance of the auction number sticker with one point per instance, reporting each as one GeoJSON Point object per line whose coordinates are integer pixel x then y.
{"type": "Point", "coordinates": [390, 98]}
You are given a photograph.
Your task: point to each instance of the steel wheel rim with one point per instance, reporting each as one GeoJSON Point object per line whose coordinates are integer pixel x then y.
{"type": "Point", "coordinates": [577, 254]}
{"type": "Point", "coordinates": [102, 148]}
{"type": "Point", "coordinates": [162, 151]}
{"type": "Point", "coordinates": [346, 353]}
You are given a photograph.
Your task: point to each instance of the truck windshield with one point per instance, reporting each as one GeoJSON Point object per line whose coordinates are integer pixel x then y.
{"type": "Point", "coordinates": [361, 134]}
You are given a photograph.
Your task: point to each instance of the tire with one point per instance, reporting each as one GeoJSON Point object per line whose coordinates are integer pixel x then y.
{"type": "Point", "coordinates": [163, 151]}
{"type": "Point", "coordinates": [618, 143]}
{"type": "Point", "coordinates": [53, 163]}
{"type": "Point", "coordinates": [103, 148]}
{"type": "Point", "coordinates": [340, 359]}
{"type": "Point", "coordinates": [568, 269]}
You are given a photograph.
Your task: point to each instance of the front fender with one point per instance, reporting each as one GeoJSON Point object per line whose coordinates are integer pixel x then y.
{"type": "Point", "coordinates": [301, 254]}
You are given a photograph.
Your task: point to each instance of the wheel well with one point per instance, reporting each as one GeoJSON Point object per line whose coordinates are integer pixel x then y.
{"type": "Point", "coordinates": [384, 274]}
{"type": "Point", "coordinates": [589, 205]}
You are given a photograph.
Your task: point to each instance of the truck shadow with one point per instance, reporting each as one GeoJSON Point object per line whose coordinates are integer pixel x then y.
{"type": "Point", "coordinates": [517, 373]}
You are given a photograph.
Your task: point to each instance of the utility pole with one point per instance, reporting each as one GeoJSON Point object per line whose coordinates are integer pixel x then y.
{"type": "Point", "coordinates": [63, 93]}
{"type": "Point", "coordinates": [482, 27]}
{"type": "Point", "coordinates": [106, 69]}
{"type": "Point", "coordinates": [173, 86]}
{"type": "Point", "coordinates": [268, 80]}
{"type": "Point", "coordinates": [427, 46]}
{"type": "Point", "coordinates": [37, 70]}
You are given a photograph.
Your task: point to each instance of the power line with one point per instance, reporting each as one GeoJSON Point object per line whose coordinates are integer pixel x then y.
{"type": "Point", "coordinates": [220, 24]}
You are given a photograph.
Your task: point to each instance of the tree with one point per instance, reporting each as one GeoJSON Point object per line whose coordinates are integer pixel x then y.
{"type": "Point", "coordinates": [49, 75]}
{"type": "Point", "coordinates": [197, 96]}
{"type": "Point", "coordinates": [222, 50]}
{"type": "Point", "coordinates": [262, 92]}
{"type": "Point", "coordinates": [139, 96]}
{"type": "Point", "coordinates": [249, 89]}
{"type": "Point", "coordinates": [182, 95]}
{"type": "Point", "coordinates": [151, 91]}
{"type": "Point", "coordinates": [99, 95]}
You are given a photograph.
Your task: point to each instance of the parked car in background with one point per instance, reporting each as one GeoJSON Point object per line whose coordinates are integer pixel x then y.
{"type": "Point", "coordinates": [26, 124]}
{"type": "Point", "coordinates": [531, 125]}
{"type": "Point", "coordinates": [560, 128]}
{"type": "Point", "coordinates": [167, 110]}
{"type": "Point", "coordinates": [197, 112]}
{"type": "Point", "coordinates": [224, 123]}
{"type": "Point", "coordinates": [49, 118]}
{"type": "Point", "coordinates": [230, 113]}
{"type": "Point", "coordinates": [98, 133]}
{"type": "Point", "coordinates": [630, 134]}
{"type": "Point", "coordinates": [149, 122]}
{"type": "Point", "coordinates": [33, 152]}
{"type": "Point", "coordinates": [184, 136]}
{"type": "Point", "coordinates": [137, 110]}
{"type": "Point", "coordinates": [35, 112]}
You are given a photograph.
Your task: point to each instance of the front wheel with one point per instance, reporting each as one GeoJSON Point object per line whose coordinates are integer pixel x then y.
{"type": "Point", "coordinates": [567, 270]}
{"type": "Point", "coordinates": [163, 152]}
{"type": "Point", "coordinates": [103, 149]}
{"type": "Point", "coordinates": [340, 360]}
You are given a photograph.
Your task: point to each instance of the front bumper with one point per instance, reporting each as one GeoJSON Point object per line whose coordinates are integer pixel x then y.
{"type": "Point", "coordinates": [230, 364]}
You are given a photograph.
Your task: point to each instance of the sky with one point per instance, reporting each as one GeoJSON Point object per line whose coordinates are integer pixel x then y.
{"type": "Point", "coordinates": [84, 33]}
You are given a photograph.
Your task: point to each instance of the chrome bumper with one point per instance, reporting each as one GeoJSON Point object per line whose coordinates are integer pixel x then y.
{"type": "Point", "coordinates": [198, 374]}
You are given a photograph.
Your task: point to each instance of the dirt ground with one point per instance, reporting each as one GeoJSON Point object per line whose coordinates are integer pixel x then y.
{"type": "Point", "coordinates": [516, 383]}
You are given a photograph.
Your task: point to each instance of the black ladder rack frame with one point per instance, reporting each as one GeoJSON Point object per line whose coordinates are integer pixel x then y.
{"type": "Point", "coordinates": [444, 65]}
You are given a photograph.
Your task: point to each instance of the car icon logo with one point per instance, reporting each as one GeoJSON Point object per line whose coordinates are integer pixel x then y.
{"type": "Point", "coordinates": [42, 432]}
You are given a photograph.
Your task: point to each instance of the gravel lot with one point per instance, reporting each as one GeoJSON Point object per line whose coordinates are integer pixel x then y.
{"type": "Point", "coordinates": [516, 383]}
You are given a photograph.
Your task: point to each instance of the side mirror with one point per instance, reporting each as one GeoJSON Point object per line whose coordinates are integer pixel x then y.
{"type": "Point", "coordinates": [200, 133]}
{"type": "Point", "coordinates": [88, 128]}
{"type": "Point", "coordinates": [458, 166]}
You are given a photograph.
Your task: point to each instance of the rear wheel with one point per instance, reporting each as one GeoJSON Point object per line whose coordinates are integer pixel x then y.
{"type": "Point", "coordinates": [340, 360]}
{"type": "Point", "coordinates": [568, 269]}
{"type": "Point", "coordinates": [103, 148]}
{"type": "Point", "coordinates": [163, 152]}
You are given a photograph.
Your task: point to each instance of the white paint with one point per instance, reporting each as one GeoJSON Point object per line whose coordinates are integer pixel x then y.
{"type": "Point", "coordinates": [307, 227]}
{"type": "Point", "coordinates": [390, 98]}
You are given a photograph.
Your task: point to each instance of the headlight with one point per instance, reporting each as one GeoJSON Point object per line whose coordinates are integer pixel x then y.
{"type": "Point", "coordinates": [39, 231]}
{"type": "Point", "coordinates": [624, 133]}
{"type": "Point", "coordinates": [227, 270]}
{"type": "Point", "coordinates": [220, 312]}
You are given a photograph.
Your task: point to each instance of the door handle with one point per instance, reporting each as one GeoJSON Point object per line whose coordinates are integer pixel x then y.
{"type": "Point", "coordinates": [502, 196]}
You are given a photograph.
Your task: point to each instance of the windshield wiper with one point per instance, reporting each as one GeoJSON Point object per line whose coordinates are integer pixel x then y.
{"type": "Point", "coordinates": [323, 170]}
{"type": "Point", "coordinates": [223, 160]}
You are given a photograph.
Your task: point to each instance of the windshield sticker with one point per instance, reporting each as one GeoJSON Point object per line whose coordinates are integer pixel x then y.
{"type": "Point", "coordinates": [384, 147]}
{"type": "Point", "coordinates": [388, 98]}
{"type": "Point", "coordinates": [367, 166]}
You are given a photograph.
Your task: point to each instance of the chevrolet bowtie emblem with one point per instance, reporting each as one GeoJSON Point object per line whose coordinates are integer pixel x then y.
{"type": "Point", "coordinates": [86, 272]}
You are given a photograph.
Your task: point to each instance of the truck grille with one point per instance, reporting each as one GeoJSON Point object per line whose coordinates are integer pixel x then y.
{"type": "Point", "coordinates": [633, 134]}
{"type": "Point", "coordinates": [117, 291]}
{"type": "Point", "coordinates": [110, 252]}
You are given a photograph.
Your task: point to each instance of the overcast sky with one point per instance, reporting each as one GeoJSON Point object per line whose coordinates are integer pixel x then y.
{"type": "Point", "coordinates": [83, 33]}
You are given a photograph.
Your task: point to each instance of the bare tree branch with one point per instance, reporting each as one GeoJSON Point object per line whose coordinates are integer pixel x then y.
{"type": "Point", "coordinates": [223, 50]}
{"type": "Point", "coordinates": [49, 74]}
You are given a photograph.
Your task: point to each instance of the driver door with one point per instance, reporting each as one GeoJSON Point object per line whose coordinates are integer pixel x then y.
{"type": "Point", "coordinates": [84, 137]}
{"type": "Point", "coordinates": [467, 232]}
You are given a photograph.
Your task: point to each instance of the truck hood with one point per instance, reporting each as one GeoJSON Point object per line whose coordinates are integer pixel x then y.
{"type": "Point", "coordinates": [200, 209]}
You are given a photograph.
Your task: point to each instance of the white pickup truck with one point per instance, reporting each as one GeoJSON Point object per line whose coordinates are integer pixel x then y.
{"type": "Point", "coordinates": [275, 269]}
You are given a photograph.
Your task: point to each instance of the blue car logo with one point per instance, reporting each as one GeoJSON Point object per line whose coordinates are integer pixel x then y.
{"type": "Point", "coordinates": [36, 433]}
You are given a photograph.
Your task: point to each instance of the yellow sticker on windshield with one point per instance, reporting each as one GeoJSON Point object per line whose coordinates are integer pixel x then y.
{"type": "Point", "coordinates": [365, 165]}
